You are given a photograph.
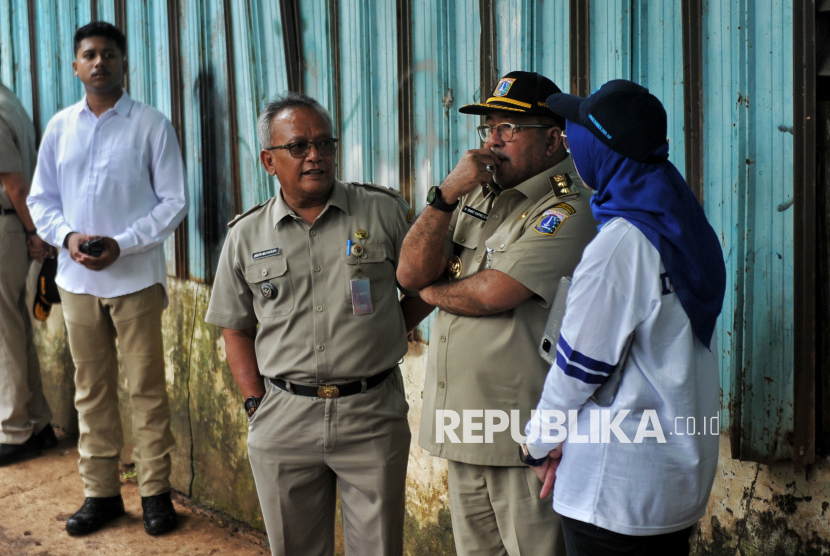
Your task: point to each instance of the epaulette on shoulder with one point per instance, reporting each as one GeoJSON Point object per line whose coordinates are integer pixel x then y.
{"type": "Point", "coordinates": [376, 187]}
{"type": "Point", "coordinates": [239, 217]}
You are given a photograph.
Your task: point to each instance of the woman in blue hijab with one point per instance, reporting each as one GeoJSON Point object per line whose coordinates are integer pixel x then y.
{"type": "Point", "coordinates": [651, 284]}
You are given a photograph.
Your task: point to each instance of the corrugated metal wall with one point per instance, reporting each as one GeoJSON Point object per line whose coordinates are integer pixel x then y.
{"type": "Point", "coordinates": [393, 74]}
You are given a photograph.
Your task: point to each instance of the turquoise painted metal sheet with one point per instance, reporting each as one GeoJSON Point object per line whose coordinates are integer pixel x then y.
{"type": "Point", "coordinates": [318, 71]}
{"type": "Point", "coordinates": [260, 74]}
{"type": "Point", "coordinates": [610, 40]}
{"type": "Point", "coordinates": [207, 131]}
{"type": "Point", "coordinates": [748, 195]}
{"type": "Point", "coordinates": [445, 75]}
{"type": "Point", "coordinates": [56, 25]}
{"type": "Point", "coordinates": [368, 88]}
{"type": "Point", "coordinates": [533, 36]}
{"type": "Point", "coordinates": [15, 57]}
{"type": "Point", "coordinates": [106, 12]}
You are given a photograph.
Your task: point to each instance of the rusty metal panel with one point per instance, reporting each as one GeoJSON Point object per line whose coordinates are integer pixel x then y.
{"type": "Point", "coordinates": [205, 98]}
{"type": "Point", "coordinates": [748, 196]}
{"type": "Point", "coordinates": [15, 58]}
{"type": "Point", "coordinates": [368, 93]}
{"type": "Point", "coordinates": [533, 36]}
{"type": "Point", "coordinates": [260, 74]}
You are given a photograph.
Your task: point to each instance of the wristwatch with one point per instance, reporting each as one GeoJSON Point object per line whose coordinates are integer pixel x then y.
{"type": "Point", "coordinates": [435, 201]}
{"type": "Point", "coordinates": [251, 405]}
{"type": "Point", "coordinates": [527, 459]}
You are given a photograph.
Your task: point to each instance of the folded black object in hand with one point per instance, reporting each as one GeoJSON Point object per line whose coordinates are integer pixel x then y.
{"type": "Point", "coordinates": [93, 247]}
{"type": "Point", "coordinates": [47, 291]}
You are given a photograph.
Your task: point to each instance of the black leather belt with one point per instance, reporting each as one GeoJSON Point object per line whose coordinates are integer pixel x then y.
{"type": "Point", "coordinates": [333, 390]}
{"type": "Point", "coordinates": [3, 211]}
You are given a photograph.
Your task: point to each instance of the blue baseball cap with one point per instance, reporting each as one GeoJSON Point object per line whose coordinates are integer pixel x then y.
{"type": "Point", "coordinates": [621, 114]}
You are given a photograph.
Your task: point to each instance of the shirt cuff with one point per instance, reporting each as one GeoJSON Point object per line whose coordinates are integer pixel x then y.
{"type": "Point", "coordinates": [60, 235]}
{"type": "Point", "coordinates": [125, 242]}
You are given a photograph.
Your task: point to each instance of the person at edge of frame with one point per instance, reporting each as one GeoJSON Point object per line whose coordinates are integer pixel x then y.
{"type": "Point", "coordinates": [110, 188]}
{"type": "Point", "coordinates": [654, 280]}
{"type": "Point", "coordinates": [489, 250]}
{"type": "Point", "coordinates": [25, 415]}
{"type": "Point", "coordinates": [314, 330]}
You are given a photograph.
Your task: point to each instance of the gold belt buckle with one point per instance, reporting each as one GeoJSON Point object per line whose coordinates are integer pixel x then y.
{"type": "Point", "coordinates": [328, 391]}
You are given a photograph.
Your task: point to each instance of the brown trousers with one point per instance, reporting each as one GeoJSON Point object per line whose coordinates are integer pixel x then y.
{"type": "Point", "coordinates": [93, 324]}
{"type": "Point", "coordinates": [303, 448]}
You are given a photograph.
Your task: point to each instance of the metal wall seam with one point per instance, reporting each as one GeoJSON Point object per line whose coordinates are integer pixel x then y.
{"type": "Point", "coordinates": [104, 10]}
{"type": "Point", "coordinates": [692, 15]}
{"type": "Point", "coordinates": [292, 43]}
{"type": "Point", "coordinates": [488, 50]}
{"type": "Point", "coordinates": [180, 237]}
{"type": "Point", "coordinates": [261, 73]}
{"type": "Point", "coordinates": [120, 9]}
{"type": "Point", "coordinates": [657, 64]}
{"type": "Point", "coordinates": [804, 196]}
{"type": "Point", "coordinates": [579, 47]}
{"type": "Point", "coordinates": [233, 125]}
{"type": "Point", "coordinates": [405, 113]}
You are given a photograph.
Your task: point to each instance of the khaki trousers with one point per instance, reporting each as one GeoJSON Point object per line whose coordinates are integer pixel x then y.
{"type": "Point", "coordinates": [302, 448]}
{"type": "Point", "coordinates": [93, 323]}
{"type": "Point", "coordinates": [496, 511]}
{"type": "Point", "coordinates": [23, 408]}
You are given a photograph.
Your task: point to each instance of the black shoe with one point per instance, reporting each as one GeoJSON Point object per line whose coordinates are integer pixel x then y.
{"type": "Point", "coordinates": [46, 438]}
{"type": "Point", "coordinates": [11, 453]}
{"type": "Point", "coordinates": [159, 514]}
{"type": "Point", "coordinates": [95, 513]}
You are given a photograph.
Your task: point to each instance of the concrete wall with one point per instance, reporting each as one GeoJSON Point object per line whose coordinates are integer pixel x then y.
{"type": "Point", "coordinates": [761, 509]}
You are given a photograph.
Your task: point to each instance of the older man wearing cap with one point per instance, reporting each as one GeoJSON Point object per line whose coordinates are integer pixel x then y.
{"type": "Point", "coordinates": [651, 286]}
{"type": "Point", "coordinates": [506, 224]}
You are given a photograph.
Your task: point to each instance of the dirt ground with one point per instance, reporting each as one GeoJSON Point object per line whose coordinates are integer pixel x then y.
{"type": "Point", "coordinates": [39, 494]}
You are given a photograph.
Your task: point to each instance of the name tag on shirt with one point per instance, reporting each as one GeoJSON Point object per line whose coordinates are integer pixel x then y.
{"type": "Point", "coordinates": [268, 253]}
{"type": "Point", "coordinates": [475, 213]}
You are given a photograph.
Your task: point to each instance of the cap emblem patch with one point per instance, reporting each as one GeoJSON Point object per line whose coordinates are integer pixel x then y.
{"type": "Point", "coordinates": [503, 87]}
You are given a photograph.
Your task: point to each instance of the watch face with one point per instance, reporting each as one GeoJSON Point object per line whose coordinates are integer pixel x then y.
{"type": "Point", "coordinates": [431, 195]}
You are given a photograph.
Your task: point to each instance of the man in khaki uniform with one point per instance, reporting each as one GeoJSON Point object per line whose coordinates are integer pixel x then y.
{"type": "Point", "coordinates": [24, 412]}
{"type": "Point", "coordinates": [314, 330]}
{"type": "Point", "coordinates": [509, 221]}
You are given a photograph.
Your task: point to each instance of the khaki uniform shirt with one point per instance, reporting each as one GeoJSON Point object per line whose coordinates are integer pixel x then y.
{"type": "Point", "coordinates": [307, 330]}
{"type": "Point", "coordinates": [493, 362]}
{"type": "Point", "coordinates": [17, 141]}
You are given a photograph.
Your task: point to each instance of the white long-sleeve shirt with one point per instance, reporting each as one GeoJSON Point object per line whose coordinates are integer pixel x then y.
{"type": "Point", "coordinates": [120, 175]}
{"type": "Point", "coordinates": [670, 382]}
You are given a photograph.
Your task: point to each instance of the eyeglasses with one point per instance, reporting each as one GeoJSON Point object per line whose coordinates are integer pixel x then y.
{"type": "Point", "coordinates": [505, 130]}
{"type": "Point", "coordinates": [300, 149]}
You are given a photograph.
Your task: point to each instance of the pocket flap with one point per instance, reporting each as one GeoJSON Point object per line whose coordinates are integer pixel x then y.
{"type": "Point", "coordinates": [371, 254]}
{"type": "Point", "coordinates": [263, 271]}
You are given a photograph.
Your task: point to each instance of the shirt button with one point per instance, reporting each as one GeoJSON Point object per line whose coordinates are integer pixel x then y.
{"type": "Point", "coordinates": [478, 259]}
{"type": "Point", "coordinates": [319, 308]}
{"type": "Point", "coordinates": [443, 338]}
{"type": "Point", "coordinates": [312, 233]}
{"type": "Point", "coordinates": [316, 269]}
{"type": "Point", "coordinates": [441, 384]}
{"type": "Point", "coordinates": [495, 217]}
{"type": "Point", "coordinates": [321, 348]}
{"type": "Point", "coordinates": [501, 246]}
{"type": "Point", "coordinates": [264, 272]}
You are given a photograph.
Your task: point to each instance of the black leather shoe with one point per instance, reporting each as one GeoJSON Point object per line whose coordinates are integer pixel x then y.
{"type": "Point", "coordinates": [11, 453]}
{"type": "Point", "coordinates": [159, 514]}
{"type": "Point", "coordinates": [46, 438]}
{"type": "Point", "coordinates": [95, 513]}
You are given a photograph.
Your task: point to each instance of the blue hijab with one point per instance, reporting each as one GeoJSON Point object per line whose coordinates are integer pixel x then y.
{"type": "Point", "coordinates": [657, 201]}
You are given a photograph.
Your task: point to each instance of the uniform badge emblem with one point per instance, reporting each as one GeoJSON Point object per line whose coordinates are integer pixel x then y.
{"type": "Point", "coordinates": [361, 234]}
{"type": "Point", "coordinates": [357, 250]}
{"type": "Point", "coordinates": [455, 268]}
{"type": "Point", "coordinates": [549, 222]}
{"type": "Point", "coordinates": [561, 184]}
{"type": "Point", "coordinates": [268, 290]}
{"type": "Point", "coordinates": [503, 87]}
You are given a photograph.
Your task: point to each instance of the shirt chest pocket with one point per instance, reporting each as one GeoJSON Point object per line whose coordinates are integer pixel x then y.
{"type": "Point", "coordinates": [270, 284]}
{"type": "Point", "coordinates": [468, 232]}
{"type": "Point", "coordinates": [124, 166]}
{"type": "Point", "coordinates": [374, 265]}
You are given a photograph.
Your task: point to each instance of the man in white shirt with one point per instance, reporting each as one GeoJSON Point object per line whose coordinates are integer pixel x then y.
{"type": "Point", "coordinates": [110, 173]}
